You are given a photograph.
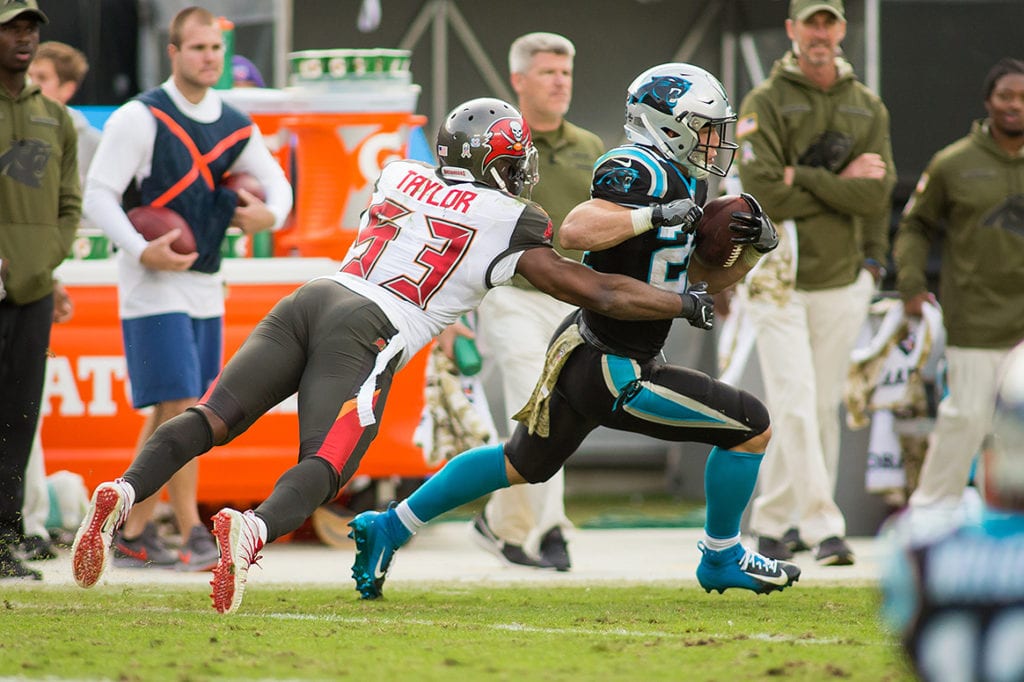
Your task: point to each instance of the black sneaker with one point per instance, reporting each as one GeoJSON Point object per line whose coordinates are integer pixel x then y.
{"type": "Point", "coordinates": [37, 548]}
{"type": "Point", "coordinates": [773, 548]}
{"type": "Point", "coordinates": [833, 551]}
{"type": "Point", "coordinates": [512, 555]}
{"type": "Point", "coordinates": [554, 549]}
{"type": "Point", "coordinates": [145, 551]}
{"type": "Point", "coordinates": [11, 566]}
{"type": "Point", "coordinates": [199, 553]}
{"type": "Point", "coordinates": [793, 541]}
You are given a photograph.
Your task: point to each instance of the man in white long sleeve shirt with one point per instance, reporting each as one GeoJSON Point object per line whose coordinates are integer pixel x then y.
{"type": "Point", "coordinates": [175, 144]}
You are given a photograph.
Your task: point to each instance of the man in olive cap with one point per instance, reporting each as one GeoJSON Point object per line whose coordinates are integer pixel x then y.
{"type": "Point", "coordinates": [815, 151]}
{"type": "Point", "coordinates": [12, 9]}
{"type": "Point", "coordinates": [40, 207]}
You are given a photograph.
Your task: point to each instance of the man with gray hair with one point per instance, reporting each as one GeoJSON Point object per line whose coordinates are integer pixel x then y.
{"type": "Point", "coordinates": [526, 525]}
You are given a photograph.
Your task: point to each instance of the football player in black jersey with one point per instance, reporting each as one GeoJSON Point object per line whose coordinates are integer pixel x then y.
{"type": "Point", "coordinates": [600, 371]}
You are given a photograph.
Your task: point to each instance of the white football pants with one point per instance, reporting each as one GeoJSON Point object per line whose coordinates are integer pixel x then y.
{"type": "Point", "coordinates": [964, 419]}
{"type": "Point", "coordinates": [804, 351]}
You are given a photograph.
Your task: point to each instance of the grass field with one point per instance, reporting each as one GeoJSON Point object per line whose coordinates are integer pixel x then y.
{"type": "Point", "coordinates": [649, 632]}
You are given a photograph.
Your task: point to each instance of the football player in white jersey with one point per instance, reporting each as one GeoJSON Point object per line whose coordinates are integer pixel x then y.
{"type": "Point", "coordinates": [431, 243]}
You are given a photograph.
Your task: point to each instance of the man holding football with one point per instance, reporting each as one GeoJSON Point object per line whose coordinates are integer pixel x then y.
{"type": "Point", "coordinates": [174, 144]}
{"type": "Point", "coordinates": [604, 371]}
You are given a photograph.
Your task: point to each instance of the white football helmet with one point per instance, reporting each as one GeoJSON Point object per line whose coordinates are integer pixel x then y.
{"type": "Point", "coordinates": [667, 106]}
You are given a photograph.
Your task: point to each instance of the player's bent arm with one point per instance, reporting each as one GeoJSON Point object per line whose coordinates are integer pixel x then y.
{"type": "Point", "coordinates": [596, 225]}
{"type": "Point", "coordinates": [616, 296]}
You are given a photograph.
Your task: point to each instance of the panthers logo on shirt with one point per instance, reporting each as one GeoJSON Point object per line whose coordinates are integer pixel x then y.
{"type": "Point", "coordinates": [505, 137]}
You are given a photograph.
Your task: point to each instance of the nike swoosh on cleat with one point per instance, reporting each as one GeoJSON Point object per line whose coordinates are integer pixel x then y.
{"type": "Point", "coordinates": [623, 162]}
{"type": "Point", "coordinates": [378, 574]}
{"type": "Point", "coordinates": [781, 579]}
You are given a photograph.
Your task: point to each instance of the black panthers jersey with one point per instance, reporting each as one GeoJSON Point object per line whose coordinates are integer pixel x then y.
{"type": "Point", "coordinates": [969, 623]}
{"type": "Point", "coordinates": [638, 176]}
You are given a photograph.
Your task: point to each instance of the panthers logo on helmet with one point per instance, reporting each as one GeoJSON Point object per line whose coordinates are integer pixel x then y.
{"type": "Point", "coordinates": [662, 92]}
{"type": "Point", "coordinates": [506, 137]}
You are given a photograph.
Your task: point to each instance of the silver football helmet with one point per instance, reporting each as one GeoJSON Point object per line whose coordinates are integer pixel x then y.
{"type": "Point", "coordinates": [489, 139]}
{"type": "Point", "coordinates": [666, 108]}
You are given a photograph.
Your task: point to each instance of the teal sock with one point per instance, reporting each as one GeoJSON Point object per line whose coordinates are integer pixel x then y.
{"type": "Point", "coordinates": [729, 480]}
{"type": "Point", "coordinates": [466, 477]}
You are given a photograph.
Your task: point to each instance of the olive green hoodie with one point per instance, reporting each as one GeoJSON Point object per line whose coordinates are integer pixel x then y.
{"type": "Point", "coordinates": [840, 222]}
{"type": "Point", "coordinates": [40, 197]}
{"type": "Point", "coordinates": [971, 196]}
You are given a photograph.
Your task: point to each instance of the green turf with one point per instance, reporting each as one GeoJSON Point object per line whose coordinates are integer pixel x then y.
{"type": "Point", "coordinates": [465, 633]}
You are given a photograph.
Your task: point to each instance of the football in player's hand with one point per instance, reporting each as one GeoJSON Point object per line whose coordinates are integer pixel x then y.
{"type": "Point", "coordinates": [246, 181]}
{"type": "Point", "coordinates": [715, 247]}
{"type": "Point", "coordinates": [155, 221]}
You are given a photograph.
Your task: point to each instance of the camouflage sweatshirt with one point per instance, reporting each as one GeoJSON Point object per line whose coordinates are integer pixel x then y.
{"type": "Point", "coordinates": [790, 121]}
{"type": "Point", "coordinates": [971, 196]}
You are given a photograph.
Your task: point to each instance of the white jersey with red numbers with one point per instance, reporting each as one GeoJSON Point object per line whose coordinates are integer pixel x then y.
{"type": "Point", "coordinates": [431, 245]}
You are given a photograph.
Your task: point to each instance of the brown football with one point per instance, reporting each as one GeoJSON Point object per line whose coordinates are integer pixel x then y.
{"type": "Point", "coordinates": [155, 221]}
{"type": "Point", "coordinates": [714, 238]}
{"type": "Point", "coordinates": [246, 181]}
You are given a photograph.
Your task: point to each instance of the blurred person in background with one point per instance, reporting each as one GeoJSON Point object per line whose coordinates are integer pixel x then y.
{"type": "Point", "coordinates": [815, 150]}
{"type": "Point", "coordinates": [173, 145]}
{"type": "Point", "coordinates": [40, 208]}
{"type": "Point", "coordinates": [526, 525]}
{"type": "Point", "coordinates": [58, 69]}
{"type": "Point", "coordinates": [971, 199]}
{"type": "Point", "coordinates": [244, 73]}
{"type": "Point", "coordinates": [955, 596]}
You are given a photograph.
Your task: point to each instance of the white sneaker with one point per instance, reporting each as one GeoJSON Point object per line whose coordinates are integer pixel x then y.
{"type": "Point", "coordinates": [239, 541]}
{"type": "Point", "coordinates": [108, 509]}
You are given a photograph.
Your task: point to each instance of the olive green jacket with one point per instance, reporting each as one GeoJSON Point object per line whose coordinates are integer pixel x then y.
{"type": "Point", "coordinates": [40, 197]}
{"type": "Point", "coordinates": [840, 222]}
{"type": "Point", "coordinates": [566, 165]}
{"type": "Point", "coordinates": [971, 198]}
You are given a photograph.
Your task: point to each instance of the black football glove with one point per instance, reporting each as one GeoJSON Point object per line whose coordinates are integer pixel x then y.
{"type": "Point", "coordinates": [754, 228]}
{"type": "Point", "coordinates": [683, 213]}
{"type": "Point", "coordinates": [698, 306]}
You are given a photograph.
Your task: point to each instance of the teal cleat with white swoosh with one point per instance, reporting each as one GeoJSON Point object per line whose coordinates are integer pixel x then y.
{"type": "Point", "coordinates": [375, 548]}
{"type": "Point", "coordinates": [739, 567]}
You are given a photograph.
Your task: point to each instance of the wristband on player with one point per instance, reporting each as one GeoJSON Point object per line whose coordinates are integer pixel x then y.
{"type": "Point", "coordinates": [641, 218]}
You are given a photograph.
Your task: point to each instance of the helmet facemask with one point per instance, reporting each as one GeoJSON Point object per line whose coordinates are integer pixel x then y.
{"type": "Point", "coordinates": [668, 106]}
{"type": "Point", "coordinates": [515, 175]}
{"type": "Point", "coordinates": [489, 138]}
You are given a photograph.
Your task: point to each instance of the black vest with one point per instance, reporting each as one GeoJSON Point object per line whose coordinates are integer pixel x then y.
{"type": "Point", "coordinates": [189, 160]}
